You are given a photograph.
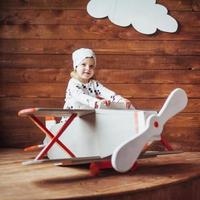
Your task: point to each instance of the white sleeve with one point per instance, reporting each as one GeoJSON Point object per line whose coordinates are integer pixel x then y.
{"type": "Point", "coordinates": [77, 93]}
{"type": "Point", "coordinates": [107, 93]}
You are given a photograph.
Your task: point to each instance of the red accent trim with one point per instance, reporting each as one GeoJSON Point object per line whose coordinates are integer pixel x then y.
{"type": "Point", "coordinates": [46, 131]}
{"type": "Point", "coordinates": [49, 118]}
{"type": "Point", "coordinates": [31, 148]}
{"type": "Point", "coordinates": [95, 167]}
{"type": "Point", "coordinates": [98, 97]}
{"type": "Point", "coordinates": [166, 144]}
{"type": "Point", "coordinates": [134, 167]}
{"type": "Point", "coordinates": [156, 124]}
{"type": "Point", "coordinates": [55, 138]}
{"type": "Point", "coordinates": [136, 121]}
{"type": "Point", "coordinates": [27, 111]}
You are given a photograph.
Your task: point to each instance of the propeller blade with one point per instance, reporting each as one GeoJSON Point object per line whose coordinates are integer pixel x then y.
{"type": "Point", "coordinates": [127, 153]}
{"type": "Point", "coordinates": [176, 101]}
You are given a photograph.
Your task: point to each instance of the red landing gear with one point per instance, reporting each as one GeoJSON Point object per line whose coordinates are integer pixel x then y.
{"type": "Point", "coordinates": [96, 167]}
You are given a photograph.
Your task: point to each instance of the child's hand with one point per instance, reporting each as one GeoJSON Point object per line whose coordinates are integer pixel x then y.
{"type": "Point", "coordinates": [103, 101]}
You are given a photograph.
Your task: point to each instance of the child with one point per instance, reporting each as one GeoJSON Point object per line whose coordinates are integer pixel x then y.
{"type": "Point", "coordinates": [83, 90]}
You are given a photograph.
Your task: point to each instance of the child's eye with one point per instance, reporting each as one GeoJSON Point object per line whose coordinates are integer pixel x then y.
{"type": "Point", "coordinates": [91, 66]}
{"type": "Point", "coordinates": [83, 64]}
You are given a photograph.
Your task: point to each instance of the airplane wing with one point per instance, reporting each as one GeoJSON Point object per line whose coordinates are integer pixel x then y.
{"type": "Point", "coordinates": [149, 154]}
{"type": "Point", "coordinates": [56, 112]}
{"type": "Point", "coordinates": [59, 112]}
{"type": "Point", "coordinates": [86, 160]}
{"type": "Point", "coordinates": [67, 161]}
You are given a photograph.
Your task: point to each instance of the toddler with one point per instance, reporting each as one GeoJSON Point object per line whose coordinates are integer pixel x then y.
{"type": "Point", "coordinates": [83, 90]}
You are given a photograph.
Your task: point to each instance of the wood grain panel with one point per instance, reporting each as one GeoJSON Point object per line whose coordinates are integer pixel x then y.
{"type": "Point", "coordinates": [101, 47]}
{"type": "Point", "coordinates": [193, 105]}
{"type": "Point", "coordinates": [11, 106]}
{"type": "Point", "coordinates": [37, 39]}
{"type": "Point", "coordinates": [51, 75]}
{"type": "Point", "coordinates": [186, 146]}
{"type": "Point", "coordinates": [184, 120]}
{"type": "Point", "coordinates": [166, 177]}
{"type": "Point", "coordinates": [53, 16]}
{"type": "Point", "coordinates": [96, 31]}
{"type": "Point", "coordinates": [21, 137]}
{"type": "Point", "coordinates": [119, 61]}
{"type": "Point", "coordinates": [149, 76]}
{"type": "Point", "coordinates": [76, 4]}
{"type": "Point", "coordinates": [38, 4]}
{"type": "Point", "coordinates": [177, 5]}
{"type": "Point", "coordinates": [79, 17]}
{"type": "Point", "coordinates": [127, 90]}
{"type": "Point", "coordinates": [196, 5]}
{"type": "Point", "coordinates": [182, 134]}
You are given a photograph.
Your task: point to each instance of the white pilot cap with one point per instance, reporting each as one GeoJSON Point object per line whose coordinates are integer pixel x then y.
{"type": "Point", "coordinates": [80, 54]}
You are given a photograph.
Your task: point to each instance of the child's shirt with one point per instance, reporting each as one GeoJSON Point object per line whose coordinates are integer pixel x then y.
{"type": "Point", "coordinates": [81, 96]}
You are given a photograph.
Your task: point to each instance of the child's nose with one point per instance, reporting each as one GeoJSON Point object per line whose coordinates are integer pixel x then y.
{"type": "Point", "coordinates": [87, 67]}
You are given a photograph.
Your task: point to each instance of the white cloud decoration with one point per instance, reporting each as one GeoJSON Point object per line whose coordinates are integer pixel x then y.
{"type": "Point", "coordinates": [144, 15]}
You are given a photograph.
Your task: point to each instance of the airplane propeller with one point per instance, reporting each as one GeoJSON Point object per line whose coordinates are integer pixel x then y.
{"type": "Point", "coordinates": [125, 155]}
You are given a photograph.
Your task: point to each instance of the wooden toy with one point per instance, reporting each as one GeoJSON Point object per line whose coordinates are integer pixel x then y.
{"type": "Point", "coordinates": [107, 137]}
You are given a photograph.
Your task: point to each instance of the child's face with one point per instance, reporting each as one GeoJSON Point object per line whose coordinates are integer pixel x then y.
{"type": "Point", "coordinates": [85, 70]}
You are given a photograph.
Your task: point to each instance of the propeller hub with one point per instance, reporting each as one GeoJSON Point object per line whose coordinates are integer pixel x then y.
{"type": "Point", "coordinates": [156, 124]}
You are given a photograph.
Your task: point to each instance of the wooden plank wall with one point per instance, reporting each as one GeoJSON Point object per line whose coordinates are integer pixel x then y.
{"type": "Point", "coordinates": [37, 38]}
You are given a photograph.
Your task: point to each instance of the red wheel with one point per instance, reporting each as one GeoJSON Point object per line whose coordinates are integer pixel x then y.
{"type": "Point", "coordinates": [134, 167]}
{"type": "Point", "coordinates": [94, 169]}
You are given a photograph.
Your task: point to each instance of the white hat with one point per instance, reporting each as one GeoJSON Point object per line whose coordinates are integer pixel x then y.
{"type": "Point", "coordinates": [80, 54]}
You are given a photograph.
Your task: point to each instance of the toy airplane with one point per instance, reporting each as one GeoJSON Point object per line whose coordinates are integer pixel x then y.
{"type": "Point", "coordinates": [107, 137]}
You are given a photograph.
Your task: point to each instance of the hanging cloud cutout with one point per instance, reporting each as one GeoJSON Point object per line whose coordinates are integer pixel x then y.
{"type": "Point", "coordinates": [144, 15]}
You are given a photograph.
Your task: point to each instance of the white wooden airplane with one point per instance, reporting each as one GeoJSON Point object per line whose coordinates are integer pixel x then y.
{"type": "Point", "coordinates": [107, 137]}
